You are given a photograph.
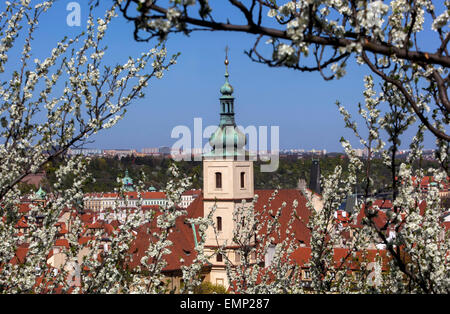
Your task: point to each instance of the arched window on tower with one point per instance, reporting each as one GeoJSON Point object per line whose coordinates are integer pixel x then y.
{"type": "Point", "coordinates": [218, 180]}
{"type": "Point", "coordinates": [242, 180]}
{"type": "Point", "coordinates": [219, 223]}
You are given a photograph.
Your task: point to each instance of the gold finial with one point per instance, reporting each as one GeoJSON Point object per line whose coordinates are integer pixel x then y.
{"type": "Point", "coordinates": [226, 55]}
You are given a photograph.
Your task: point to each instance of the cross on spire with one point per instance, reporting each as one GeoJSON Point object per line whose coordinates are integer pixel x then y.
{"type": "Point", "coordinates": [226, 55]}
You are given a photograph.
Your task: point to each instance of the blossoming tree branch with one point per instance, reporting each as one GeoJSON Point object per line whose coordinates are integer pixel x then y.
{"type": "Point", "coordinates": [385, 36]}
{"type": "Point", "coordinates": [46, 107]}
{"type": "Point", "coordinates": [322, 36]}
{"type": "Point", "coordinates": [92, 96]}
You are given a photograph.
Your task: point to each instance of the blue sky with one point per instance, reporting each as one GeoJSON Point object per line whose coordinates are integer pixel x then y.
{"type": "Point", "coordinates": [301, 104]}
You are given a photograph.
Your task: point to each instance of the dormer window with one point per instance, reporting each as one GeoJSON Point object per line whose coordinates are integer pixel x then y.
{"type": "Point", "coordinates": [218, 180]}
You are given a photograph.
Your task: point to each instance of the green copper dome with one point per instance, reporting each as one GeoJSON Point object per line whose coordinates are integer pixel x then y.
{"type": "Point", "coordinates": [226, 89]}
{"type": "Point", "coordinates": [227, 140]}
{"type": "Point", "coordinates": [127, 182]}
{"type": "Point", "coordinates": [40, 194]}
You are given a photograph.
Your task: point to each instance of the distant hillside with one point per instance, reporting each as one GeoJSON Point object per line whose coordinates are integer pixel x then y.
{"type": "Point", "coordinates": [290, 170]}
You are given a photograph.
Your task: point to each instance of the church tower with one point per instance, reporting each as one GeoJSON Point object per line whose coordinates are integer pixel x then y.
{"type": "Point", "coordinates": [127, 182]}
{"type": "Point", "coordinates": [227, 180]}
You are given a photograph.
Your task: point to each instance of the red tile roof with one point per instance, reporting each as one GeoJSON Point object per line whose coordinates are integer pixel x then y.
{"type": "Point", "coordinates": [195, 209]}
{"type": "Point", "coordinates": [20, 255]}
{"type": "Point", "coordinates": [302, 212]}
{"type": "Point", "coordinates": [95, 225]}
{"type": "Point", "coordinates": [446, 225]}
{"type": "Point", "coordinates": [24, 208]}
{"type": "Point", "coordinates": [183, 239]}
{"type": "Point", "coordinates": [192, 192]}
{"type": "Point", "coordinates": [85, 239]}
{"type": "Point", "coordinates": [87, 218]}
{"type": "Point", "coordinates": [22, 223]}
{"type": "Point", "coordinates": [62, 228]}
{"type": "Point", "coordinates": [182, 247]}
{"type": "Point", "coordinates": [62, 242]}
{"type": "Point", "coordinates": [343, 258]}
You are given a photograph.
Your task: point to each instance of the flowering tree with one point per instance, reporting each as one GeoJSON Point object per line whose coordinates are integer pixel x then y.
{"type": "Point", "coordinates": [319, 35]}
{"type": "Point", "coordinates": [113, 269]}
{"type": "Point", "coordinates": [411, 231]}
{"type": "Point", "coordinates": [402, 250]}
{"type": "Point", "coordinates": [264, 247]}
{"type": "Point", "coordinates": [322, 36]}
{"type": "Point", "coordinates": [80, 99]}
{"type": "Point", "coordinates": [46, 107]}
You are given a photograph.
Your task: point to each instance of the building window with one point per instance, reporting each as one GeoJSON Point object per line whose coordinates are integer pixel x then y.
{"type": "Point", "coordinates": [219, 257]}
{"type": "Point", "coordinates": [242, 180]}
{"type": "Point", "coordinates": [237, 257]}
{"type": "Point", "coordinates": [219, 281]}
{"type": "Point", "coordinates": [307, 274]}
{"type": "Point", "coordinates": [219, 223]}
{"type": "Point", "coordinates": [218, 180]}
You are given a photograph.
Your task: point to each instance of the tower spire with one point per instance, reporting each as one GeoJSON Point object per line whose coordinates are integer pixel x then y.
{"type": "Point", "coordinates": [226, 62]}
{"type": "Point", "coordinates": [226, 90]}
{"type": "Point", "coordinates": [227, 139]}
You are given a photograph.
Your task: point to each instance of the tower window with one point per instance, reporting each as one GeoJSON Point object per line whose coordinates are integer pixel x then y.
{"type": "Point", "coordinates": [237, 256]}
{"type": "Point", "coordinates": [218, 180]}
{"type": "Point", "coordinates": [242, 180]}
{"type": "Point", "coordinates": [219, 223]}
{"type": "Point", "coordinates": [219, 257]}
